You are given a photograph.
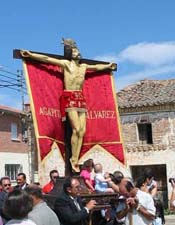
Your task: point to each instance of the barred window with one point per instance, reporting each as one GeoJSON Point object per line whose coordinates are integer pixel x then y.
{"type": "Point", "coordinates": [145, 133]}
{"type": "Point", "coordinates": [11, 170]}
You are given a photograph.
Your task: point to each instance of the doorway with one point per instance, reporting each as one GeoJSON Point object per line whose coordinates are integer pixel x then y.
{"type": "Point", "coordinates": [160, 175]}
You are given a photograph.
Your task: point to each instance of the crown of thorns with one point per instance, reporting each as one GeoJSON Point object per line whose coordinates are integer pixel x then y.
{"type": "Point", "coordinates": [69, 42]}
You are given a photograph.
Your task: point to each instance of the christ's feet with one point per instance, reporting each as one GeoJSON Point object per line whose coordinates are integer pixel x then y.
{"type": "Point", "coordinates": [75, 167]}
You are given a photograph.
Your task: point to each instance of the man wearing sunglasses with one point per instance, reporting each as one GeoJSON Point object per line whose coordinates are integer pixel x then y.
{"type": "Point", "coordinates": [6, 188]}
{"type": "Point", "coordinates": [53, 178]}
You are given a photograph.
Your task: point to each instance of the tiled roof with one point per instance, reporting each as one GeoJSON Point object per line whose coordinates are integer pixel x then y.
{"type": "Point", "coordinates": [9, 109]}
{"type": "Point", "coordinates": [147, 93]}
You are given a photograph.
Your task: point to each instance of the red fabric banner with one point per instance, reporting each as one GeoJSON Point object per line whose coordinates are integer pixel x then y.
{"type": "Point", "coordinates": [102, 118]}
{"type": "Point", "coordinates": [45, 84]}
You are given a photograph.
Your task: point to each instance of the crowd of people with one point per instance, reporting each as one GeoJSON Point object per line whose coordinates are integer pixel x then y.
{"type": "Point", "coordinates": [136, 204]}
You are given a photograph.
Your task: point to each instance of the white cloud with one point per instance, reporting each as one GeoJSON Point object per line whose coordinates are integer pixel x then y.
{"type": "Point", "coordinates": [156, 59]}
{"type": "Point", "coordinates": [153, 73]}
{"type": "Point", "coordinates": [150, 54]}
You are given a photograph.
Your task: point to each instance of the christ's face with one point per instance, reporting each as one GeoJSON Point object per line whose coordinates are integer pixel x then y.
{"type": "Point", "coordinates": [76, 54]}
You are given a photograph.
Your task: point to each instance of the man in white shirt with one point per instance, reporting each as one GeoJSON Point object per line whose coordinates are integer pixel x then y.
{"type": "Point", "coordinates": [139, 206]}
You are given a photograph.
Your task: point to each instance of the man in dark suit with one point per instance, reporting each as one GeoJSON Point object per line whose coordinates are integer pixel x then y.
{"type": "Point", "coordinates": [21, 181]}
{"type": "Point", "coordinates": [68, 206]}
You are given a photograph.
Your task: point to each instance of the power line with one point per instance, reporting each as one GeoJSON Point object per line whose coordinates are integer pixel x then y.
{"type": "Point", "coordinates": [14, 81]}
{"type": "Point", "coordinates": [6, 81]}
{"type": "Point", "coordinates": [13, 88]}
{"type": "Point", "coordinates": [17, 74]}
{"type": "Point", "coordinates": [16, 89]}
{"type": "Point", "coordinates": [7, 85]}
{"type": "Point", "coordinates": [11, 78]}
{"type": "Point", "coordinates": [5, 71]}
{"type": "Point", "coordinates": [18, 78]}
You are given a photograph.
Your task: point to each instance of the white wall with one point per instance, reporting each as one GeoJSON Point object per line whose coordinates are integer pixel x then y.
{"type": "Point", "coordinates": [14, 158]}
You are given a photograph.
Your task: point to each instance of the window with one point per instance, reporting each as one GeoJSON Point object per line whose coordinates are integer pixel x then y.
{"type": "Point", "coordinates": [11, 170]}
{"type": "Point", "coordinates": [145, 133]}
{"type": "Point", "coordinates": [14, 131]}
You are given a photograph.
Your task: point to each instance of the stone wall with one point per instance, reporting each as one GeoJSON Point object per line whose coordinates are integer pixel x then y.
{"type": "Point", "coordinates": [163, 130]}
{"type": "Point", "coordinates": [162, 151]}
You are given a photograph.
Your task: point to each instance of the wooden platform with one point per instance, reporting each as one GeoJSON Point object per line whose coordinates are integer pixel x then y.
{"type": "Point", "coordinates": [104, 200]}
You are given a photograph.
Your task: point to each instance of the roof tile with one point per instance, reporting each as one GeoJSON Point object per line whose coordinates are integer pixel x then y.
{"type": "Point", "coordinates": [147, 93]}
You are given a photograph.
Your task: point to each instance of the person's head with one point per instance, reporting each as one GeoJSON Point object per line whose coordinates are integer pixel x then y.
{"type": "Point", "coordinates": [127, 188]}
{"type": "Point", "coordinates": [17, 204]}
{"type": "Point", "coordinates": [88, 165]}
{"type": "Point", "coordinates": [35, 192]}
{"type": "Point", "coordinates": [5, 184]}
{"type": "Point", "coordinates": [141, 184]}
{"type": "Point", "coordinates": [70, 50]}
{"type": "Point", "coordinates": [148, 175]}
{"type": "Point", "coordinates": [71, 186]}
{"type": "Point", "coordinates": [54, 175]}
{"type": "Point", "coordinates": [98, 168]}
{"type": "Point", "coordinates": [21, 179]}
{"type": "Point", "coordinates": [118, 176]}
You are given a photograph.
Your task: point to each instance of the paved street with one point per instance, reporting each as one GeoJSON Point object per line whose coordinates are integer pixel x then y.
{"type": "Point", "coordinates": [170, 220]}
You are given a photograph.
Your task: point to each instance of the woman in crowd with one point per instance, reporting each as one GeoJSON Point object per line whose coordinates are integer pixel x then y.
{"type": "Point", "coordinates": [17, 206]}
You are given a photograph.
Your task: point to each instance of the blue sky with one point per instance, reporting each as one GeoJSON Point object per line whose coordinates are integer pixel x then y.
{"type": "Point", "coordinates": [138, 35]}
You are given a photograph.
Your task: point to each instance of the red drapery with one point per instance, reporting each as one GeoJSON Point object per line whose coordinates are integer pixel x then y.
{"type": "Point", "coordinates": [45, 83]}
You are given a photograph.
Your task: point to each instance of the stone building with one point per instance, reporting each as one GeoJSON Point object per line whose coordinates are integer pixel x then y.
{"type": "Point", "coordinates": [14, 154]}
{"type": "Point", "coordinates": [147, 113]}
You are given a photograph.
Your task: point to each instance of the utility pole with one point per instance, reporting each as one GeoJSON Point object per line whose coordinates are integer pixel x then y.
{"type": "Point", "coordinates": [21, 85]}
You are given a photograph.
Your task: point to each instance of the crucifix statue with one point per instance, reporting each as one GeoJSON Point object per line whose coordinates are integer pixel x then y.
{"type": "Point", "coordinates": [72, 101]}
